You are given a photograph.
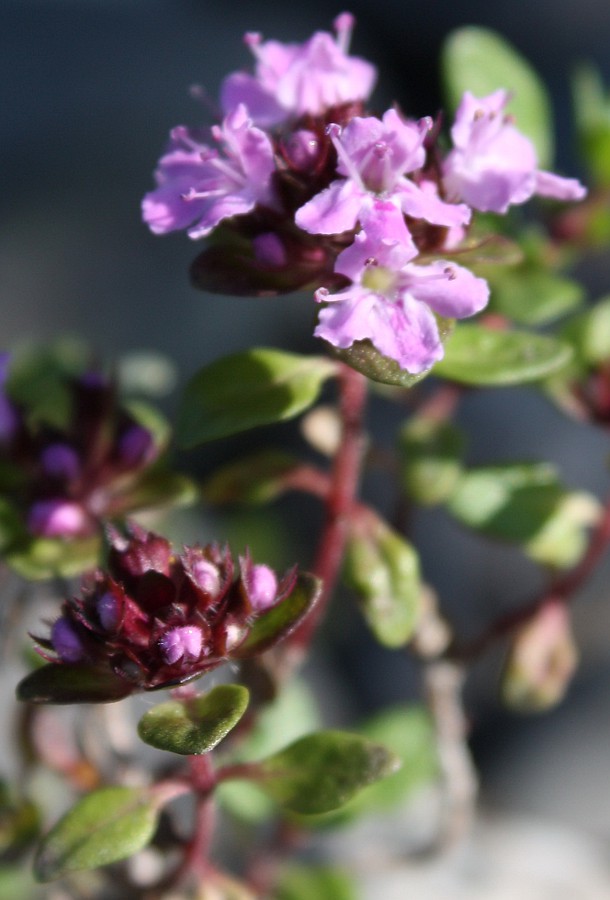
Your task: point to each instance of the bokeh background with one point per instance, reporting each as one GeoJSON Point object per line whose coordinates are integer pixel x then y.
{"type": "Point", "coordinates": [88, 92]}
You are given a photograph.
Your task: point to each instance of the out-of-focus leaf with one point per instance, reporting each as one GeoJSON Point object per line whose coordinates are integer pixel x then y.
{"type": "Point", "coordinates": [255, 479]}
{"type": "Point", "coordinates": [299, 882]}
{"type": "Point", "coordinates": [321, 772]}
{"type": "Point", "coordinates": [592, 114]}
{"type": "Point", "coordinates": [431, 459]}
{"type": "Point", "coordinates": [105, 826]}
{"type": "Point", "coordinates": [479, 60]}
{"type": "Point", "coordinates": [531, 295]}
{"type": "Point", "coordinates": [39, 558]}
{"type": "Point", "coordinates": [383, 569]}
{"type": "Point", "coordinates": [245, 390]}
{"type": "Point", "coordinates": [482, 356]}
{"type": "Point", "coordinates": [72, 683]}
{"type": "Point", "coordinates": [195, 725]}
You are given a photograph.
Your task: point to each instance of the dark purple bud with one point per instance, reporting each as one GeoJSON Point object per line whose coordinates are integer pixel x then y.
{"type": "Point", "coordinates": [269, 250]}
{"type": "Point", "coordinates": [302, 150]}
{"type": "Point", "coordinates": [8, 420]}
{"type": "Point", "coordinates": [184, 642]}
{"type": "Point", "coordinates": [108, 611]}
{"type": "Point", "coordinates": [261, 585]}
{"type": "Point", "coordinates": [66, 642]}
{"type": "Point", "coordinates": [134, 445]}
{"type": "Point", "coordinates": [206, 576]}
{"type": "Point", "coordinates": [60, 461]}
{"type": "Point", "coordinates": [58, 518]}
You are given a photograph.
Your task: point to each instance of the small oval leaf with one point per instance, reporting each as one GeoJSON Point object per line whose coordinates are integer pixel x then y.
{"type": "Point", "coordinates": [482, 356]}
{"type": "Point", "coordinates": [280, 620]}
{"type": "Point", "coordinates": [321, 772]}
{"type": "Point", "coordinates": [105, 826]}
{"type": "Point", "coordinates": [481, 61]}
{"type": "Point", "coordinates": [245, 390]}
{"type": "Point", "coordinates": [66, 683]}
{"type": "Point", "coordinates": [196, 725]}
{"type": "Point", "coordinates": [383, 569]}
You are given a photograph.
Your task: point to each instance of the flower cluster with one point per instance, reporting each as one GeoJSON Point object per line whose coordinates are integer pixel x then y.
{"type": "Point", "coordinates": [67, 467]}
{"type": "Point", "coordinates": [310, 188]}
{"type": "Point", "coordinates": [157, 618]}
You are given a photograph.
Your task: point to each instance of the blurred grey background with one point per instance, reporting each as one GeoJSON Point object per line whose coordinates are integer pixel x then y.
{"type": "Point", "coordinates": [89, 90]}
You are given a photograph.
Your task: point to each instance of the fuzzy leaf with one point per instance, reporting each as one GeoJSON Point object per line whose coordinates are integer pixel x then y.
{"type": "Point", "coordinates": [531, 295]}
{"type": "Point", "coordinates": [383, 569]}
{"type": "Point", "coordinates": [245, 390]}
{"type": "Point", "coordinates": [105, 826]}
{"type": "Point", "coordinates": [65, 683]}
{"type": "Point", "coordinates": [479, 60]}
{"type": "Point", "coordinates": [196, 725]}
{"type": "Point", "coordinates": [280, 620]}
{"type": "Point", "coordinates": [321, 772]}
{"type": "Point", "coordinates": [481, 356]}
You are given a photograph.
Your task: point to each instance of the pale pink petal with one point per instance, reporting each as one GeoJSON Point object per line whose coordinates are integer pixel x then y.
{"type": "Point", "coordinates": [448, 289]}
{"type": "Point", "coordinates": [333, 210]}
{"type": "Point", "coordinates": [550, 185]}
{"type": "Point", "coordinates": [423, 204]}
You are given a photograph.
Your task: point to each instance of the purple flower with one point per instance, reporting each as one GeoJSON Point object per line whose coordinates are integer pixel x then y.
{"type": "Point", "coordinates": [374, 158]}
{"type": "Point", "coordinates": [198, 187]}
{"type": "Point", "coordinates": [58, 518]}
{"type": "Point", "coordinates": [391, 302]}
{"type": "Point", "coordinates": [493, 164]}
{"type": "Point", "coordinates": [293, 80]}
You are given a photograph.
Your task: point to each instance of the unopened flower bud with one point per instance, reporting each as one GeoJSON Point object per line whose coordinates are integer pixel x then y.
{"type": "Point", "coordinates": [261, 584]}
{"type": "Point", "coordinates": [108, 611]}
{"type": "Point", "coordinates": [58, 518]}
{"type": "Point", "coordinates": [60, 461]}
{"type": "Point", "coordinates": [181, 643]}
{"type": "Point", "coordinates": [269, 250]}
{"type": "Point", "coordinates": [66, 642]}
{"type": "Point", "coordinates": [302, 150]}
{"type": "Point", "coordinates": [206, 576]}
{"type": "Point", "coordinates": [134, 445]}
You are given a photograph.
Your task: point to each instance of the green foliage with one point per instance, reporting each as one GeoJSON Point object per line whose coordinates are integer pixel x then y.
{"type": "Point", "coordinates": [245, 390]}
{"type": "Point", "coordinates": [65, 683]}
{"type": "Point", "coordinates": [484, 357]}
{"type": "Point", "coordinates": [531, 295]}
{"type": "Point", "coordinates": [105, 826]}
{"type": "Point", "coordinates": [196, 725]}
{"type": "Point", "coordinates": [299, 882]}
{"type": "Point", "coordinates": [589, 334]}
{"type": "Point", "coordinates": [281, 619]}
{"type": "Point", "coordinates": [528, 505]}
{"type": "Point", "coordinates": [479, 60]}
{"type": "Point", "coordinates": [39, 558]}
{"type": "Point", "coordinates": [592, 113]}
{"type": "Point", "coordinates": [383, 569]}
{"type": "Point", "coordinates": [255, 479]}
{"type": "Point", "coordinates": [431, 459]}
{"type": "Point", "coordinates": [321, 772]}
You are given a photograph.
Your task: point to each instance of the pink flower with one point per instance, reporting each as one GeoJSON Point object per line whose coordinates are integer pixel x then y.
{"type": "Point", "coordinates": [374, 157]}
{"type": "Point", "coordinates": [391, 301]}
{"type": "Point", "coordinates": [199, 187]}
{"type": "Point", "coordinates": [493, 164]}
{"type": "Point", "coordinates": [292, 80]}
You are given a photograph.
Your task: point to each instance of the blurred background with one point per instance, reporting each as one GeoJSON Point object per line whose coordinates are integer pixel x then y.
{"type": "Point", "coordinates": [88, 91]}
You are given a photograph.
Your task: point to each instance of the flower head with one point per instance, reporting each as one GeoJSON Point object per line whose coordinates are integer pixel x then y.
{"type": "Point", "coordinates": [391, 302]}
{"type": "Point", "coordinates": [199, 186]}
{"type": "Point", "coordinates": [293, 80]}
{"type": "Point", "coordinates": [494, 165]}
{"type": "Point", "coordinates": [157, 618]}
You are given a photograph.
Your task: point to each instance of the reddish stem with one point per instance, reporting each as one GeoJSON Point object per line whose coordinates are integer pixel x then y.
{"type": "Point", "coordinates": [339, 500]}
{"type": "Point", "coordinates": [561, 589]}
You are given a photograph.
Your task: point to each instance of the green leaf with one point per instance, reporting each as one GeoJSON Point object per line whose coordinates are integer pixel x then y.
{"type": "Point", "coordinates": [479, 60]}
{"type": "Point", "coordinates": [526, 504]}
{"type": "Point", "coordinates": [245, 390]}
{"type": "Point", "coordinates": [105, 826]}
{"type": "Point", "coordinates": [431, 459]}
{"type": "Point", "coordinates": [383, 569]}
{"type": "Point", "coordinates": [592, 114]}
{"type": "Point", "coordinates": [322, 771]}
{"type": "Point", "coordinates": [157, 488]}
{"type": "Point", "coordinates": [481, 356]}
{"type": "Point", "coordinates": [77, 683]}
{"type": "Point", "coordinates": [531, 295]}
{"type": "Point", "coordinates": [280, 620]}
{"type": "Point", "coordinates": [40, 558]}
{"type": "Point", "coordinates": [299, 882]}
{"type": "Point", "coordinates": [255, 479]}
{"type": "Point", "coordinates": [589, 333]}
{"type": "Point", "coordinates": [195, 725]}
{"type": "Point", "coordinates": [367, 359]}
